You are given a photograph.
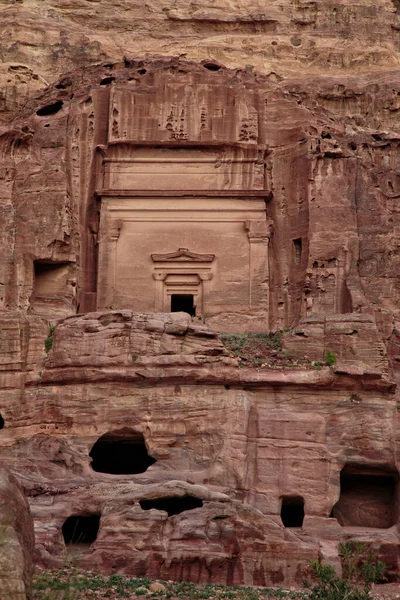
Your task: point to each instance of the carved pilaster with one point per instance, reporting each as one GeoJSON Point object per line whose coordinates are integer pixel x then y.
{"type": "Point", "coordinates": [258, 233]}
{"type": "Point", "coordinates": [108, 264]}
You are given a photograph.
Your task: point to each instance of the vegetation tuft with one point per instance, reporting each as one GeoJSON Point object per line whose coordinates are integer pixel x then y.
{"type": "Point", "coordinates": [263, 350]}
{"type": "Point", "coordinates": [360, 569]}
{"type": "Point", "coordinates": [70, 584]}
{"type": "Point", "coordinates": [330, 358]}
{"type": "Point", "coordinates": [48, 342]}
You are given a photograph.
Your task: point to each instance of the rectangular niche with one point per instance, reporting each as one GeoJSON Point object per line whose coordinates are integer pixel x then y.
{"type": "Point", "coordinates": [54, 288]}
{"type": "Point", "coordinates": [368, 498]}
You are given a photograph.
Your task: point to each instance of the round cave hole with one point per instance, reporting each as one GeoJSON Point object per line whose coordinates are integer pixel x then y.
{"type": "Point", "coordinates": [78, 529]}
{"type": "Point", "coordinates": [121, 452]}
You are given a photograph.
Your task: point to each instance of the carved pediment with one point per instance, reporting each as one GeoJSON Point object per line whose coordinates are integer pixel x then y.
{"type": "Point", "coordinates": [183, 255]}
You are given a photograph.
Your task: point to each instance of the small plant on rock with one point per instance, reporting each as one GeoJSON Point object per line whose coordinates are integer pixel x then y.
{"type": "Point", "coordinates": [48, 342]}
{"type": "Point", "coordinates": [360, 569]}
{"type": "Point", "coordinates": [330, 358]}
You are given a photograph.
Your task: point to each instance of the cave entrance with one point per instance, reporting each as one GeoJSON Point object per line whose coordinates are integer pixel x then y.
{"type": "Point", "coordinates": [173, 505]}
{"type": "Point", "coordinates": [183, 303]}
{"type": "Point", "coordinates": [54, 288]}
{"type": "Point", "coordinates": [368, 497]}
{"type": "Point", "coordinates": [80, 530]}
{"type": "Point", "coordinates": [121, 452]}
{"type": "Point", "coordinates": [292, 511]}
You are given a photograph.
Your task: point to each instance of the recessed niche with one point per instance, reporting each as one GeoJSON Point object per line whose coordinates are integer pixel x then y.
{"type": "Point", "coordinates": [212, 66]}
{"type": "Point", "coordinates": [54, 288]}
{"type": "Point", "coordinates": [292, 511]}
{"type": "Point", "coordinates": [172, 505]}
{"type": "Point", "coordinates": [121, 452]}
{"type": "Point", "coordinates": [50, 109]}
{"type": "Point", "coordinates": [298, 248]}
{"type": "Point", "coordinates": [81, 530]}
{"type": "Point", "coordinates": [183, 303]}
{"type": "Point", "coordinates": [368, 497]}
{"type": "Point", "coordinates": [1, 422]}
{"type": "Point", "coordinates": [107, 80]}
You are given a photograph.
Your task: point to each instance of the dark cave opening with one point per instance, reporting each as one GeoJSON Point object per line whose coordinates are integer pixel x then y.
{"type": "Point", "coordinates": [81, 530]}
{"type": "Point", "coordinates": [121, 452]}
{"type": "Point", "coordinates": [173, 505]}
{"type": "Point", "coordinates": [50, 109]}
{"type": "Point", "coordinates": [368, 497]}
{"type": "Point", "coordinates": [298, 248]}
{"type": "Point", "coordinates": [212, 66]}
{"type": "Point", "coordinates": [107, 80]}
{"type": "Point", "coordinates": [183, 303]}
{"type": "Point", "coordinates": [292, 511]}
{"type": "Point", "coordinates": [1, 422]}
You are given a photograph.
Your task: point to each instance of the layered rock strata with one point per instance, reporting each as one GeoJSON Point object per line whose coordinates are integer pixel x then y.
{"type": "Point", "coordinates": [215, 459]}
{"type": "Point", "coordinates": [16, 541]}
{"type": "Point", "coordinates": [239, 162]}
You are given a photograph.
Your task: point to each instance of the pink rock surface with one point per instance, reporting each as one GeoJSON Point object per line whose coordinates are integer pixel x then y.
{"type": "Point", "coordinates": [241, 159]}
{"type": "Point", "coordinates": [17, 541]}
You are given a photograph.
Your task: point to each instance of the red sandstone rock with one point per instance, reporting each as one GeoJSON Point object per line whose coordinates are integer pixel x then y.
{"type": "Point", "coordinates": [16, 541]}
{"type": "Point", "coordinates": [258, 199]}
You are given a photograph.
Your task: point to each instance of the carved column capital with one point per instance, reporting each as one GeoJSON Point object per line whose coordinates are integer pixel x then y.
{"type": "Point", "coordinates": [258, 231]}
{"type": "Point", "coordinates": [205, 276]}
{"type": "Point", "coordinates": [115, 229]}
{"type": "Point", "coordinates": [160, 276]}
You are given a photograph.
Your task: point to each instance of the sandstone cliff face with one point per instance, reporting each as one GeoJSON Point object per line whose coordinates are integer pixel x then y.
{"type": "Point", "coordinates": [17, 541]}
{"type": "Point", "coordinates": [240, 444]}
{"type": "Point", "coordinates": [246, 157]}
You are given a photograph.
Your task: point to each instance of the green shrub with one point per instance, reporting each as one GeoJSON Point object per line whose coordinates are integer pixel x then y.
{"type": "Point", "coordinates": [48, 342]}
{"type": "Point", "coordinates": [360, 569]}
{"type": "Point", "coordinates": [330, 358]}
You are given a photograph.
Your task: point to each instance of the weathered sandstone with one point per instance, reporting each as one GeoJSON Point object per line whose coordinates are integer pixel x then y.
{"type": "Point", "coordinates": [237, 161]}
{"type": "Point", "coordinates": [238, 441]}
{"type": "Point", "coordinates": [16, 541]}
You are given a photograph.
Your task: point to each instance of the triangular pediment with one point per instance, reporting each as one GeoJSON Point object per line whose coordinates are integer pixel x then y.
{"type": "Point", "coordinates": [183, 255]}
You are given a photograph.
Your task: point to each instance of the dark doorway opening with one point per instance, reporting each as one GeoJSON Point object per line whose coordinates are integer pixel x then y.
{"type": "Point", "coordinates": [292, 511]}
{"type": "Point", "coordinates": [1, 422]}
{"type": "Point", "coordinates": [298, 248]}
{"type": "Point", "coordinates": [368, 497]}
{"type": "Point", "coordinates": [183, 303]}
{"type": "Point", "coordinates": [81, 530]}
{"type": "Point", "coordinates": [121, 452]}
{"type": "Point", "coordinates": [173, 505]}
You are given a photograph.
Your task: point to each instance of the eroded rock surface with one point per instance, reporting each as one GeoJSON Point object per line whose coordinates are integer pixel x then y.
{"type": "Point", "coordinates": [16, 541]}
{"type": "Point", "coordinates": [174, 462]}
{"type": "Point", "coordinates": [238, 162]}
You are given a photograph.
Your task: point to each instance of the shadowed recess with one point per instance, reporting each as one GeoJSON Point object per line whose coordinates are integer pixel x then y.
{"type": "Point", "coordinates": [121, 452]}
{"type": "Point", "coordinates": [183, 303]}
{"type": "Point", "coordinates": [212, 67]}
{"type": "Point", "coordinates": [172, 505]}
{"type": "Point", "coordinates": [292, 511]}
{"type": "Point", "coordinates": [81, 530]}
{"type": "Point", "coordinates": [50, 109]}
{"type": "Point", "coordinates": [1, 422]}
{"type": "Point", "coordinates": [368, 497]}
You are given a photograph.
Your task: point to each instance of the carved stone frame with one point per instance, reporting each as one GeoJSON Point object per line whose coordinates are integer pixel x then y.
{"type": "Point", "coordinates": [182, 271]}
